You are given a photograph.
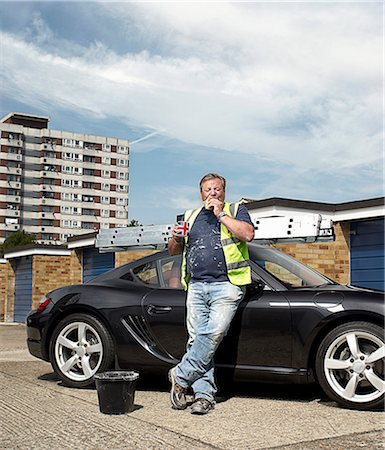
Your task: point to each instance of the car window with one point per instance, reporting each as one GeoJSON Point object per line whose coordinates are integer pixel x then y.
{"type": "Point", "coordinates": [171, 272]}
{"type": "Point", "coordinates": [147, 273]}
{"type": "Point", "coordinates": [286, 277]}
{"type": "Point", "coordinates": [286, 269]}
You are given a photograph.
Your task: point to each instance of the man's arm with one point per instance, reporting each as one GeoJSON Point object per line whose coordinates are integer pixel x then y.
{"type": "Point", "coordinates": [175, 245]}
{"type": "Point", "coordinates": [242, 230]}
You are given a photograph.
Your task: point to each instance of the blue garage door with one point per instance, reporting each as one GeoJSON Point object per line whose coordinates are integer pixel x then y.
{"type": "Point", "coordinates": [95, 263]}
{"type": "Point", "coordinates": [23, 288]}
{"type": "Point", "coordinates": [367, 254]}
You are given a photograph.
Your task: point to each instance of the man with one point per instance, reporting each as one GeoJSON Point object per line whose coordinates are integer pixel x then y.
{"type": "Point", "coordinates": [215, 271]}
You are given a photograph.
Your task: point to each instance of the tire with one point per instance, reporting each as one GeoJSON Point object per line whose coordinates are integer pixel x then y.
{"type": "Point", "coordinates": [81, 346]}
{"type": "Point", "coordinates": [350, 365]}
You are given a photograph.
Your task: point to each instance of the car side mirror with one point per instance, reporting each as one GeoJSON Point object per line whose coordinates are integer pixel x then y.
{"type": "Point", "coordinates": [256, 287]}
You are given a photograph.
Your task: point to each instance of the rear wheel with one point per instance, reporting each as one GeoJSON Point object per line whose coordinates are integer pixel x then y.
{"type": "Point", "coordinates": [350, 365]}
{"type": "Point", "coordinates": [80, 347]}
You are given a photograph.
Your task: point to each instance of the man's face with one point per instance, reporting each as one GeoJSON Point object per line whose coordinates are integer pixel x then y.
{"type": "Point", "coordinates": [213, 189]}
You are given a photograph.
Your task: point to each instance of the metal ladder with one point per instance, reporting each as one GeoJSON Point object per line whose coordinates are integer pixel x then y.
{"type": "Point", "coordinates": [304, 228]}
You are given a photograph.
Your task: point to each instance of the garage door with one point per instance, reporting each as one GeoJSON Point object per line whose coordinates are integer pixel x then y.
{"type": "Point", "coordinates": [95, 263]}
{"type": "Point", "coordinates": [367, 254]}
{"type": "Point", "coordinates": [23, 288]}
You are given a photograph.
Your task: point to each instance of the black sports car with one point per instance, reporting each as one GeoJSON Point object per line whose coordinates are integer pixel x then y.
{"type": "Point", "coordinates": [294, 325]}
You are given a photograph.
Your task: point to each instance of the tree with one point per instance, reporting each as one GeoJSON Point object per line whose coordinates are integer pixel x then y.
{"type": "Point", "coordinates": [18, 238]}
{"type": "Point", "coordinates": [134, 223]}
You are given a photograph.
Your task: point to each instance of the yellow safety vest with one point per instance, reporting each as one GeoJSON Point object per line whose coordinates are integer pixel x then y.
{"type": "Point", "coordinates": [235, 251]}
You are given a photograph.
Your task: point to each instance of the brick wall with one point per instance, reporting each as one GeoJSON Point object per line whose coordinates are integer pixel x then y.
{"type": "Point", "coordinates": [329, 258]}
{"type": "Point", "coordinates": [126, 257]}
{"type": "Point", "coordinates": [48, 273]}
{"type": "Point", "coordinates": [7, 287]}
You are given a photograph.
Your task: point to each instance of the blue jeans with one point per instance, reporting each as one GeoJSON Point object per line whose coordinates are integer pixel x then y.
{"type": "Point", "coordinates": [210, 309]}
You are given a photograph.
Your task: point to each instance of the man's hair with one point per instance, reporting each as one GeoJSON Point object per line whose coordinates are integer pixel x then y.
{"type": "Point", "coordinates": [212, 176]}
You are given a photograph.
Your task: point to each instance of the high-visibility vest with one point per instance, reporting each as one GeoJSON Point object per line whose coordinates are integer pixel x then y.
{"type": "Point", "coordinates": [235, 250]}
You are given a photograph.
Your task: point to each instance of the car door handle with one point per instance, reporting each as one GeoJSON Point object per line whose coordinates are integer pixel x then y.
{"type": "Point", "coordinates": [152, 309]}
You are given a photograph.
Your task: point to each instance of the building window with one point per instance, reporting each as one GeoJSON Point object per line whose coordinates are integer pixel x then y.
{"type": "Point", "coordinates": [71, 197]}
{"type": "Point", "coordinates": [106, 160]}
{"type": "Point", "coordinates": [71, 183]}
{"type": "Point", "coordinates": [89, 145]}
{"type": "Point", "coordinates": [106, 173]}
{"type": "Point", "coordinates": [121, 201]}
{"type": "Point", "coordinates": [64, 236]}
{"type": "Point", "coordinates": [72, 170]}
{"type": "Point", "coordinates": [122, 162]}
{"type": "Point", "coordinates": [122, 175]}
{"type": "Point", "coordinates": [105, 187]}
{"type": "Point", "coordinates": [106, 147]}
{"type": "Point", "coordinates": [90, 159]}
{"type": "Point", "coordinates": [88, 212]}
{"type": "Point", "coordinates": [121, 188]}
{"type": "Point", "coordinates": [71, 223]}
{"type": "Point", "coordinates": [88, 185]}
{"type": "Point", "coordinates": [122, 214]}
{"type": "Point", "coordinates": [49, 154]}
{"type": "Point", "coordinates": [88, 198]}
{"type": "Point", "coordinates": [72, 143]}
{"type": "Point", "coordinates": [72, 156]}
{"type": "Point", "coordinates": [105, 200]}
{"type": "Point", "coordinates": [123, 149]}
{"type": "Point", "coordinates": [89, 172]}
{"type": "Point", "coordinates": [105, 213]}
{"type": "Point", "coordinates": [104, 225]}
{"type": "Point", "coordinates": [88, 225]}
{"type": "Point", "coordinates": [47, 236]}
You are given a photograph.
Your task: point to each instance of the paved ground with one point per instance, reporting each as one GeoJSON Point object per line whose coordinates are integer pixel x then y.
{"type": "Point", "coordinates": [37, 412]}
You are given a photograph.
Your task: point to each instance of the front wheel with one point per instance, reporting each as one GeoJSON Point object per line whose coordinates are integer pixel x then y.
{"type": "Point", "coordinates": [80, 347]}
{"type": "Point", "coordinates": [350, 365]}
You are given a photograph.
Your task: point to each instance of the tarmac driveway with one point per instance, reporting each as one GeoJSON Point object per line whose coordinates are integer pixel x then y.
{"type": "Point", "coordinates": [37, 412]}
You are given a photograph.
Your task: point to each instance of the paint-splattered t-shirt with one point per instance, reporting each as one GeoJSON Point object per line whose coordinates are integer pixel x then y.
{"type": "Point", "coordinates": [205, 257]}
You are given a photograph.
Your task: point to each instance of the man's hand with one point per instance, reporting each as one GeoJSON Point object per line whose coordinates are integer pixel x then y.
{"type": "Point", "coordinates": [175, 243]}
{"type": "Point", "coordinates": [215, 204]}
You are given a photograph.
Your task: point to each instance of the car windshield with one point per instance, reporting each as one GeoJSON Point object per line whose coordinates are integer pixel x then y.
{"type": "Point", "coordinates": [286, 269]}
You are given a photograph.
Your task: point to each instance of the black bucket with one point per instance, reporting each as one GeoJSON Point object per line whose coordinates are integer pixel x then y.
{"type": "Point", "coordinates": [116, 391]}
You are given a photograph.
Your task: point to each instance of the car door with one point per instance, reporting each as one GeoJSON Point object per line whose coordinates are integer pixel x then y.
{"type": "Point", "coordinates": [164, 309]}
{"type": "Point", "coordinates": [260, 334]}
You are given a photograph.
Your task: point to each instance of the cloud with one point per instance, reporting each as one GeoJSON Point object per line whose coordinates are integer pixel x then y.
{"type": "Point", "coordinates": [293, 83]}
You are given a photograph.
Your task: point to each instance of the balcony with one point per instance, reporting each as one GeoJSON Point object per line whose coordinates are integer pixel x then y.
{"type": "Point", "coordinates": [12, 198]}
{"type": "Point", "coordinates": [48, 146]}
{"type": "Point", "coordinates": [13, 212]}
{"type": "Point", "coordinates": [15, 142]}
{"type": "Point", "coordinates": [12, 223]}
{"type": "Point", "coordinates": [14, 157]}
{"type": "Point", "coordinates": [14, 170]}
{"type": "Point", "coordinates": [14, 184]}
{"type": "Point", "coordinates": [46, 187]}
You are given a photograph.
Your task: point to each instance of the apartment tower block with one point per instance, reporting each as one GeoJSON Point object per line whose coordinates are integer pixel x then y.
{"type": "Point", "coordinates": [57, 184]}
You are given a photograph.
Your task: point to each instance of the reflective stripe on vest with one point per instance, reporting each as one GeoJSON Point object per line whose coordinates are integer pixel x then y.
{"type": "Point", "coordinates": [235, 251]}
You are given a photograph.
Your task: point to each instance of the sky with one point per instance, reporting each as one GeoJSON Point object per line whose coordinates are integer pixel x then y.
{"type": "Point", "coordinates": [284, 99]}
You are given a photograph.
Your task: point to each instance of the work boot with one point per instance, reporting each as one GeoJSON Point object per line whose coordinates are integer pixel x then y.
{"type": "Point", "coordinates": [202, 406]}
{"type": "Point", "coordinates": [177, 393]}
